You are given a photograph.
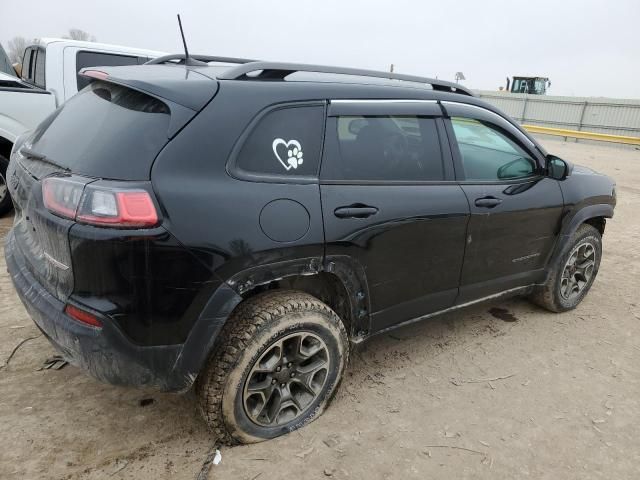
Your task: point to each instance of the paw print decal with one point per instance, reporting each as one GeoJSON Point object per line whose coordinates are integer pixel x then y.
{"type": "Point", "coordinates": [294, 156]}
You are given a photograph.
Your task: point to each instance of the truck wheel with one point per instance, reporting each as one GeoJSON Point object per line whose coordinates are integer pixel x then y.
{"type": "Point", "coordinates": [573, 273]}
{"type": "Point", "coordinates": [279, 360]}
{"type": "Point", "coordinates": [5, 199]}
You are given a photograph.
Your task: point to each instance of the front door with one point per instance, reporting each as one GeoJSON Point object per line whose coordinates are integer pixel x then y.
{"type": "Point", "coordinates": [515, 209]}
{"type": "Point", "coordinates": [390, 202]}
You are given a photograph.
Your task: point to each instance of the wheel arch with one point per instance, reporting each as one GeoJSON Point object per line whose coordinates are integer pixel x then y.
{"type": "Point", "coordinates": [339, 282]}
{"type": "Point", "coordinates": [594, 215]}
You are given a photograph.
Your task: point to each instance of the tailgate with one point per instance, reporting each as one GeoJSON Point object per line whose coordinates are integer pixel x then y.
{"type": "Point", "coordinates": [41, 237]}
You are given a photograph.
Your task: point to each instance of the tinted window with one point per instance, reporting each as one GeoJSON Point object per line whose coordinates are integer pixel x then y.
{"type": "Point", "coordinates": [38, 76]}
{"type": "Point", "coordinates": [106, 131]}
{"type": "Point", "coordinates": [27, 64]}
{"type": "Point", "coordinates": [94, 59]}
{"type": "Point", "coordinates": [385, 148]}
{"type": "Point", "coordinates": [285, 142]}
{"type": "Point", "coordinates": [488, 153]}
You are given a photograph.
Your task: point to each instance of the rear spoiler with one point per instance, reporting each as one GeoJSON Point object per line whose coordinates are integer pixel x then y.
{"type": "Point", "coordinates": [184, 91]}
{"type": "Point", "coordinates": [183, 86]}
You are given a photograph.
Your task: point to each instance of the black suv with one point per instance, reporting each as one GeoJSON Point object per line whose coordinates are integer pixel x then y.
{"type": "Point", "coordinates": [240, 227]}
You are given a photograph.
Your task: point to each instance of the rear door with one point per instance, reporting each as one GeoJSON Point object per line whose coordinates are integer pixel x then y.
{"type": "Point", "coordinates": [515, 208]}
{"type": "Point", "coordinates": [390, 202]}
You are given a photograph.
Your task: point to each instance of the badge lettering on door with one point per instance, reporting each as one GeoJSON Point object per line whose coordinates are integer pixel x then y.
{"type": "Point", "coordinates": [292, 157]}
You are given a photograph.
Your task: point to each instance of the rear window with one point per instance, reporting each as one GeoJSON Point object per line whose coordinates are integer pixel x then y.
{"type": "Point", "coordinates": [106, 131]}
{"type": "Point", "coordinates": [38, 74]}
{"type": "Point", "coordinates": [96, 59]}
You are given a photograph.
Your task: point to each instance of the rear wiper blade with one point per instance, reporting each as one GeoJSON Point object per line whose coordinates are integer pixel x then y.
{"type": "Point", "coordinates": [43, 158]}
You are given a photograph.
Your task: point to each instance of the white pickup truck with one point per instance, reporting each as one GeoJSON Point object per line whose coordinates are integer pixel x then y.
{"type": "Point", "coordinates": [49, 78]}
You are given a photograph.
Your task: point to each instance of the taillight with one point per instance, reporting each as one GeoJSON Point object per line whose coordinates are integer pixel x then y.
{"type": "Point", "coordinates": [62, 195]}
{"type": "Point", "coordinates": [82, 316]}
{"type": "Point", "coordinates": [99, 204]}
{"type": "Point", "coordinates": [122, 208]}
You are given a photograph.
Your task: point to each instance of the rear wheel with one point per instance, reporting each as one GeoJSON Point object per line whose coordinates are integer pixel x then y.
{"type": "Point", "coordinates": [573, 273]}
{"type": "Point", "coordinates": [5, 199]}
{"type": "Point", "coordinates": [279, 361]}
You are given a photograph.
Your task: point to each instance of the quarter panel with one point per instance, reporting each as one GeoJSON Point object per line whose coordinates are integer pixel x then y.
{"type": "Point", "coordinates": [217, 217]}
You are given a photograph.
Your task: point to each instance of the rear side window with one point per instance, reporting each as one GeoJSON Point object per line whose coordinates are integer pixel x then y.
{"type": "Point", "coordinates": [106, 131]}
{"type": "Point", "coordinates": [33, 66]}
{"type": "Point", "coordinates": [399, 147]}
{"type": "Point", "coordinates": [285, 142]}
{"type": "Point", "coordinates": [39, 78]}
{"type": "Point", "coordinates": [96, 59]}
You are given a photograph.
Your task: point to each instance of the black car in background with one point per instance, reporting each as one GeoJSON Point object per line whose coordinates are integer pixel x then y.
{"type": "Point", "coordinates": [240, 227]}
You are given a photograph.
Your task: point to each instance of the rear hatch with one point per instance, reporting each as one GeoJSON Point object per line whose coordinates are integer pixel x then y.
{"type": "Point", "coordinates": [107, 131]}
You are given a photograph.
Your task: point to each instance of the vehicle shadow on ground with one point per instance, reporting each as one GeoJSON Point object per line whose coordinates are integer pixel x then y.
{"type": "Point", "coordinates": [434, 337]}
{"type": "Point", "coordinates": [119, 424]}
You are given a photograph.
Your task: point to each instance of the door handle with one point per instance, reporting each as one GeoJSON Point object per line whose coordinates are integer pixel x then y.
{"type": "Point", "coordinates": [488, 202]}
{"type": "Point", "coordinates": [355, 211]}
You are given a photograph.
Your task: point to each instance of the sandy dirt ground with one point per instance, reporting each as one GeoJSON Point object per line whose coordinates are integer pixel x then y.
{"type": "Point", "coordinates": [466, 395]}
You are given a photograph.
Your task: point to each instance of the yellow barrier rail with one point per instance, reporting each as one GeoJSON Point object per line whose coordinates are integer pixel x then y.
{"type": "Point", "coordinates": [602, 137]}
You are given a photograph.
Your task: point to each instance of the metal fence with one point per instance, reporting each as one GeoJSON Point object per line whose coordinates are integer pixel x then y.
{"type": "Point", "coordinates": [590, 114]}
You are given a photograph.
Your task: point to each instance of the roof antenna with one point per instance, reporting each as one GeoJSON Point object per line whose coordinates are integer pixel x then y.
{"type": "Point", "coordinates": [187, 59]}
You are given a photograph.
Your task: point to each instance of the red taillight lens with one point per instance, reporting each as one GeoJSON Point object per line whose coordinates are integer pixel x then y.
{"type": "Point", "coordinates": [123, 208]}
{"type": "Point", "coordinates": [98, 204]}
{"type": "Point", "coordinates": [82, 316]}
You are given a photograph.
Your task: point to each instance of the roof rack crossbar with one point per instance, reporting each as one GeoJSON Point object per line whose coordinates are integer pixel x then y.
{"type": "Point", "coordinates": [201, 59]}
{"type": "Point", "coordinates": [275, 70]}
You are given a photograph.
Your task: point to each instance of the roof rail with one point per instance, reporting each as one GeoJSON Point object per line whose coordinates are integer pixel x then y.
{"type": "Point", "coordinates": [200, 59]}
{"type": "Point", "coordinates": [278, 71]}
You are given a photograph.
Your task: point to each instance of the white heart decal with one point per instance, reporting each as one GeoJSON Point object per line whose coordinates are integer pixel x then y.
{"type": "Point", "coordinates": [294, 153]}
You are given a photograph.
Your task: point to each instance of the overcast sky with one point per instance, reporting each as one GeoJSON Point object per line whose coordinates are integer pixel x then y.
{"type": "Point", "coordinates": [586, 47]}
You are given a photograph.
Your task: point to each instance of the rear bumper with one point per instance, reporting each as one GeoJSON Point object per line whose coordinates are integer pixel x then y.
{"type": "Point", "coordinates": [106, 353]}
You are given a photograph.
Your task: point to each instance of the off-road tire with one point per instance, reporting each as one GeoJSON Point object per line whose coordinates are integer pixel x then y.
{"type": "Point", "coordinates": [549, 295]}
{"type": "Point", "coordinates": [5, 203]}
{"type": "Point", "coordinates": [252, 329]}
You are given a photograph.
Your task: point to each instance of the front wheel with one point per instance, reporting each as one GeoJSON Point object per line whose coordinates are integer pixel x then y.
{"type": "Point", "coordinates": [5, 199]}
{"type": "Point", "coordinates": [573, 273]}
{"type": "Point", "coordinates": [279, 360]}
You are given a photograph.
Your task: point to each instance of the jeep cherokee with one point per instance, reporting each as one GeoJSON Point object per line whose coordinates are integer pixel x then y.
{"type": "Point", "coordinates": [239, 227]}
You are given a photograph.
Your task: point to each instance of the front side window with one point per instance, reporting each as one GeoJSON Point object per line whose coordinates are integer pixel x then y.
{"type": "Point", "coordinates": [488, 153]}
{"type": "Point", "coordinates": [285, 142]}
{"type": "Point", "coordinates": [401, 147]}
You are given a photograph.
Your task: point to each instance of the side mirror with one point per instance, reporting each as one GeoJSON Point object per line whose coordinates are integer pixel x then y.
{"type": "Point", "coordinates": [558, 168]}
